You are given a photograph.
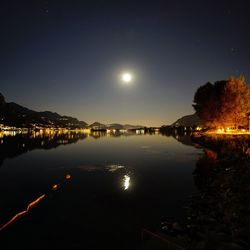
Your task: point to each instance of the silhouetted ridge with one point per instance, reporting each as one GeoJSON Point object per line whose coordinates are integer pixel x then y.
{"type": "Point", "coordinates": [13, 114]}
{"type": "Point", "coordinates": [2, 100]}
{"type": "Point", "coordinates": [188, 121]}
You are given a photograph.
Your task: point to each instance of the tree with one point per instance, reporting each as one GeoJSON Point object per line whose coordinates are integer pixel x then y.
{"type": "Point", "coordinates": [224, 103]}
{"type": "Point", "coordinates": [235, 101]}
{"type": "Point", "coordinates": [207, 103]}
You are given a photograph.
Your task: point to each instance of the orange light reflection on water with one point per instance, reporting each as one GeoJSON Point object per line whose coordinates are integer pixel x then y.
{"type": "Point", "coordinates": [30, 206]}
{"type": "Point", "coordinates": [229, 131]}
{"type": "Point", "coordinates": [21, 214]}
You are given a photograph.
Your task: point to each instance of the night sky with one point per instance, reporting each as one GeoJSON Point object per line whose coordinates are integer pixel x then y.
{"type": "Point", "coordinates": [67, 56]}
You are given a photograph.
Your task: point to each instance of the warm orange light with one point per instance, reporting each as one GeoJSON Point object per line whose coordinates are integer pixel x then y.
{"type": "Point", "coordinates": [54, 187]}
{"type": "Point", "coordinates": [21, 214]}
{"type": "Point", "coordinates": [230, 131]}
{"type": "Point", "coordinates": [68, 176]}
{"type": "Point", "coordinates": [220, 131]}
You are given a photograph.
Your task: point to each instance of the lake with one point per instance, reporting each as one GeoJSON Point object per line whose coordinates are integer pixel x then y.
{"type": "Point", "coordinates": [96, 191]}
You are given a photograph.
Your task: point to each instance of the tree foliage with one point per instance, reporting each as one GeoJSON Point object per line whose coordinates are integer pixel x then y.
{"type": "Point", "coordinates": [224, 103]}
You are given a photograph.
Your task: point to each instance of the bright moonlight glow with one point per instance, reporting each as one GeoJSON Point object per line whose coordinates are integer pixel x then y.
{"type": "Point", "coordinates": [126, 77]}
{"type": "Point", "coordinates": [126, 182]}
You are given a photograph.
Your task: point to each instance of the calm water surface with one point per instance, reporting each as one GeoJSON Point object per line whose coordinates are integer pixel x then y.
{"type": "Point", "coordinates": [117, 186]}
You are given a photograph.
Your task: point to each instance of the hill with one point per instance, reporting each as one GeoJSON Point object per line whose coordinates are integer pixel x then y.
{"type": "Point", "coordinates": [115, 126]}
{"type": "Point", "coordinates": [100, 126]}
{"type": "Point", "coordinates": [13, 114]}
{"type": "Point", "coordinates": [129, 126]}
{"type": "Point", "coordinates": [97, 126]}
{"type": "Point", "coordinates": [188, 121]}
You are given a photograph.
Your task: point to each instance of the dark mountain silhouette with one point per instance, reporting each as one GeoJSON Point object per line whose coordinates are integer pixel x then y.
{"type": "Point", "coordinates": [13, 114]}
{"type": "Point", "coordinates": [97, 125]}
{"type": "Point", "coordinates": [115, 126]}
{"type": "Point", "coordinates": [129, 126]}
{"type": "Point", "coordinates": [188, 121]}
{"type": "Point", "coordinates": [2, 100]}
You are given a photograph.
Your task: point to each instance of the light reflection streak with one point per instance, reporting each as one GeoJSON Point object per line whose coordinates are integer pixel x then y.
{"type": "Point", "coordinates": [21, 214]}
{"type": "Point", "coordinates": [126, 182]}
{"type": "Point", "coordinates": [30, 206]}
{"type": "Point", "coordinates": [114, 167]}
{"type": "Point", "coordinates": [55, 187]}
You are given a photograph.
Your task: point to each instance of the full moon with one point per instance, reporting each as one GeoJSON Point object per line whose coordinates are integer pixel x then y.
{"type": "Point", "coordinates": [126, 77]}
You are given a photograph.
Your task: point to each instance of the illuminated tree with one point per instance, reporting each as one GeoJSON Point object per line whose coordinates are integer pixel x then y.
{"type": "Point", "coordinates": [224, 103]}
{"type": "Point", "coordinates": [235, 102]}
